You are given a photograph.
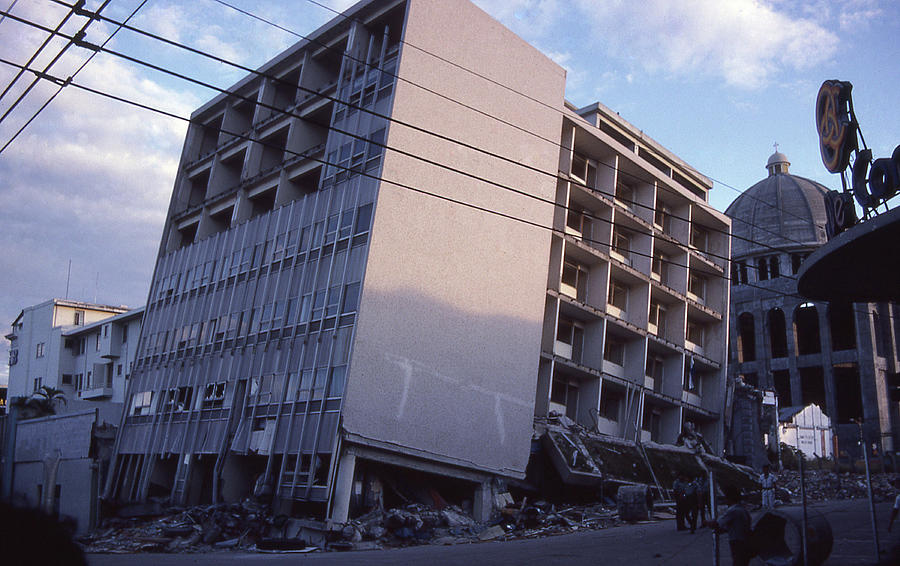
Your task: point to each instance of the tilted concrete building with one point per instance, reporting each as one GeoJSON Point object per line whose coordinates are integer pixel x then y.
{"type": "Point", "coordinates": [350, 278]}
{"type": "Point", "coordinates": [837, 356]}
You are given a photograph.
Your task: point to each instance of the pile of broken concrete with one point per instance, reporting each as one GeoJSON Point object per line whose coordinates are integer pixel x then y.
{"type": "Point", "coordinates": [248, 526]}
{"type": "Point", "coordinates": [195, 529]}
{"type": "Point", "coordinates": [823, 485]}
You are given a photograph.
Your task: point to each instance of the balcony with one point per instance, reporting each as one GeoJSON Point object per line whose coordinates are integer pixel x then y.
{"type": "Point", "coordinates": [95, 393]}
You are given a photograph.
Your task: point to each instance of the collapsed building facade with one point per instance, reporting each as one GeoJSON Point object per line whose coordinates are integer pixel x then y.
{"type": "Point", "coordinates": [351, 279]}
{"type": "Point", "coordinates": [838, 356]}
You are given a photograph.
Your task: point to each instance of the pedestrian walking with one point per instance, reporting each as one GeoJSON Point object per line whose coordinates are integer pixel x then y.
{"type": "Point", "coordinates": [896, 508]}
{"type": "Point", "coordinates": [702, 483]}
{"type": "Point", "coordinates": [685, 503]}
{"type": "Point", "coordinates": [736, 522]}
{"type": "Point", "coordinates": [768, 480]}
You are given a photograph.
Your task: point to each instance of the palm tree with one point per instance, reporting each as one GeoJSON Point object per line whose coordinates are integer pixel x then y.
{"type": "Point", "coordinates": [41, 403]}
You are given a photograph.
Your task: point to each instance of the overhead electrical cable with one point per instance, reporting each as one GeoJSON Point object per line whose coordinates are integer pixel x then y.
{"type": "Point", "coordinates": [51, 34]}
{"type": "Point", "coordinates": [40, 48]}
{"type": "Point", "coordinates": [336, 100]}
{"type": "Point", "coordinates": [398, 184]}
{"type": "Point", "coordinates": [78, 70]}
{"type": "Point", "coordinates": [554, 142]}
{"type": "Point", "coordinates": [492, 81]}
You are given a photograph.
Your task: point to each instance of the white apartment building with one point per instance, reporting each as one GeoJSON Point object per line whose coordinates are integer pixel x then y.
{"type": "Point", "coordinates": [395, 245]}
{"type": "Point", "coordinates": [637, 301]}
{"type": "Point", "coordinates": [83, 349]}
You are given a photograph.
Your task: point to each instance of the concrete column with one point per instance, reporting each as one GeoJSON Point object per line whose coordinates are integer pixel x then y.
{"type": "Point", "coordinates": [481, 502]}
{"type": "Point", "coordinates": [343, 488]}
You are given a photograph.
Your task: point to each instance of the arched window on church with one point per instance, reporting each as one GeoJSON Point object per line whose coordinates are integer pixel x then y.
{"type": "Point", "coordinates": [774, 269]}
{"type": "Point", "coordinates": [762, 269]}
{"type": "Point", "coordinates": [746, 338]}
{"type": "Point", "coordinates": [806, 329]}
{"type": "Point", "coordinates": [777, 333]}
{"type": "Point", "coordinates": [843, 327]}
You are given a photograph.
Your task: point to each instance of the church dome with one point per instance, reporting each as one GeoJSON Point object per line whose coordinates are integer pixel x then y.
{"type": "Point", "coordinates": [782, 211]}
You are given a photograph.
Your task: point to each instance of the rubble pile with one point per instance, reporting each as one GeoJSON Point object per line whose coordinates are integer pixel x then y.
{"type": "Point", "coordinates": [195, 529]}
{"type": "Point", "coordinates": [822, 485]}
{"type": "Point", "coordinates": [247, 526]}
{"type": "Point", "coordinates": [419, 524]}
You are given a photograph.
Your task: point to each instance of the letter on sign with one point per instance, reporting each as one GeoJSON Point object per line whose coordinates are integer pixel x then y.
{"type": "Point", "coordinates": [837, 131]}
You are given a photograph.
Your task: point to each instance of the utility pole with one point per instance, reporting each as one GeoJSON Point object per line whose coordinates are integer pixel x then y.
{"type": "Point", "coordinates": [803, 531]}
{"type": "Point", "coordinates": [865, 450]}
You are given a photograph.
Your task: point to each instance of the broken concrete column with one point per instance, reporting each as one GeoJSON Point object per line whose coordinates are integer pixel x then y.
{"type": "Point", "coordinates": [482, 503]}
{"type": "Point", "coordinates": [343, 487]}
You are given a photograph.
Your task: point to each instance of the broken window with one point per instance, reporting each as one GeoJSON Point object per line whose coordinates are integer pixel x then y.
{"type": "Point", "coordinates": [569, 340]}
{"type": "Point", "coordinates": [564, 397]}
{"type": "Point", "coordinates": [621, 246]}
{"type": "Point", "coordinates": [695, 333]}
{"type": "Point", "coordinates": [214, 395]}
{"type": "Point", "coordinates": [625, 195]}
{"type": "Point", "coordinates": [699, 238]}
{"type": "Point", "coordinates": [806, 329]}
{"type": "Point", "coordinates": [578, 223]}
{"type": "Point", "coordinates": [782, 383]}
{"type": "Point", "coordinates": [654, 370]}
{"type": "Point", "coordinates": [848, 393]}
{"type": "Point", "coordinates": [574, 280]}
{"type": "Point", "coordinates": [618, 295]}
{"type": "Point", "coordinates": [777, 333]}
{"type": "Point", "coordinates": [746, 338]}
{"type": "Point", "coordinates": [842, 325]}
{"type": "Point", "coordinates": [774, 269]}
{"type": "Point", "coordinates": [178, 399]}
{"type": "Point", "coordinates": [812, 386]}
{"type": "Point", "coordinates": [797, 261]}
{"type": "Point", "coordinates": [662, 217]}
{"type": "Point", "coordinates": [657, 321]}
{"type": "Point", "coordinates": [762, 269]}
{"type": "Point", "coordinates": [610, 403]}
{"type": "Point", "coordinates": [659, 267]}
{"type": "Point", "coordinates": [614, 351]}
{"type": "Point", "coordinates": [583, 169]}
{"type": "Point", "coordinates": [697, 286]}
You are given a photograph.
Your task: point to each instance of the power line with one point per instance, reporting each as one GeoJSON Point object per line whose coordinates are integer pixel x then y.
{"type": "Point", "coordinates": [78, 70]}
{"type": "Point", "coordinates": [79, 34]}
{"type": "Point", "coordinates": [37, 52]}
{"type": "Point", "coordinates": [349, 169]}
{"type": "Point", "coordinates": [555, 176]}
{"type": "Point", "coordinates": [354, 135]}
{"type": "Point", "coordinates": [493, 117]}
{"type": "Point", "coordinates": [405, 186]}
{"type": "Point", "coordinates": [350, 134]}
{"type": "Point", "coordinates": [507, 87]}
{"type": "Point", "coordinates": [333, 128]}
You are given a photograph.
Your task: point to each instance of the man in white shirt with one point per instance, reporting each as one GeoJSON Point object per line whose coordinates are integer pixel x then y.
{"type": "Point", "coordinates": [767, 480]}
{"type": "Point", "coordinates": [896, 508]}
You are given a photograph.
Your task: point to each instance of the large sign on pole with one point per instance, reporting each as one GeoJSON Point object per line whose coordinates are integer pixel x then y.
{"type": "Point", "coordinates": [871, 183]}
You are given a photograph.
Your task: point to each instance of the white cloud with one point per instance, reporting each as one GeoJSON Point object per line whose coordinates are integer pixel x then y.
{"type": "Point", "coordinates": [858, 14]}
{"type": "Point", "coordinates": [744, 42]}
{"type": "Point", "coordinates": [529, 18]}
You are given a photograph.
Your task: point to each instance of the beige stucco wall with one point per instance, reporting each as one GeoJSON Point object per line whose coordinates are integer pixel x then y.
{"type": "Point", "coordinates": [445, 357]}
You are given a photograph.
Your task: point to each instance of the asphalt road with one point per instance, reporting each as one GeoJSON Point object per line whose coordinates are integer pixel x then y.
{"type": "Point", "coordinates": [653, 543]}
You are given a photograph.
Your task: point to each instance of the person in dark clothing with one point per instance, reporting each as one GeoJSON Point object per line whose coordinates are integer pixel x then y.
{"type": "Point", "coordinates": [685, 503]}
{"type": "Point", "coordinates": [29, 537]}
{"type": "Point", "coordinates": [736, 522]}
{"type": "Point", "coordinates": [702, 483]}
